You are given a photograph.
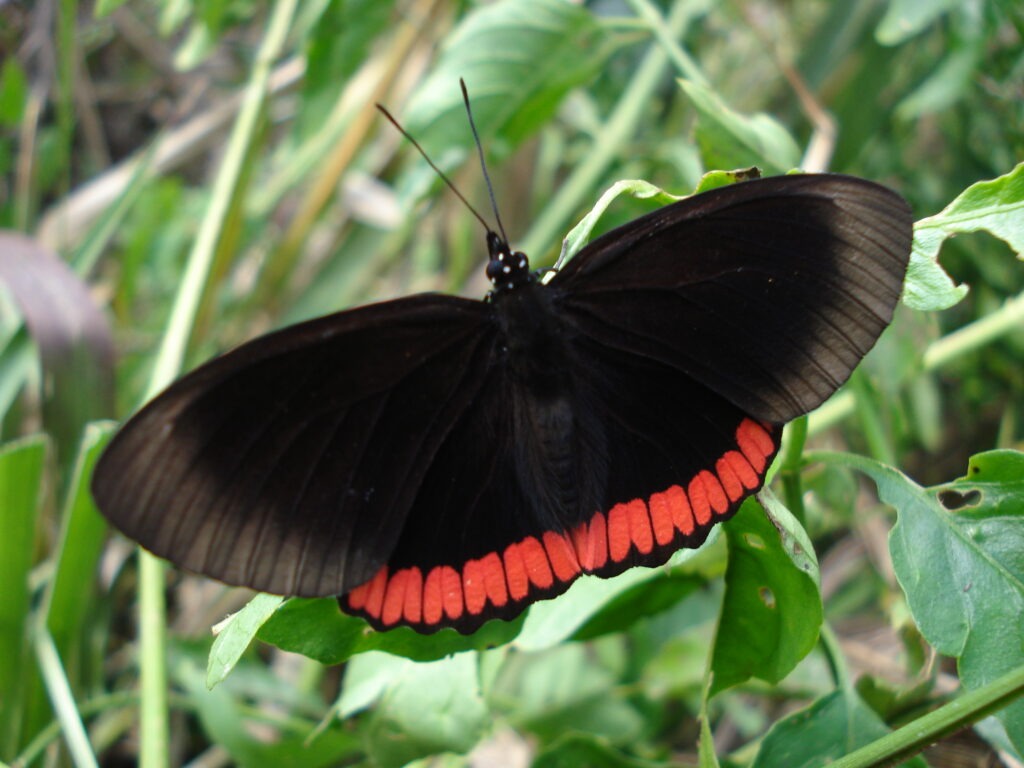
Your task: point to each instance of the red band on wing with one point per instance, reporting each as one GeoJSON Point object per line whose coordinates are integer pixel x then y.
{"type": "Point", "coordinates": [633, 532]}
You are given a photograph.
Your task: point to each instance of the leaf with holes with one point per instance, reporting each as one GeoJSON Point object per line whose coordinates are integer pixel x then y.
{"type": "Point", "coordinates": [957, 552]}
{"type": "Point", "coordinates": [772, 606]}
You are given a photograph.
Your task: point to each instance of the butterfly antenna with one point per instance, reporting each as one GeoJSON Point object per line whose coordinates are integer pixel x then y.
{"type": "Point", "coordinates": [437, 170]}
{"type": "Point", "coordinates": [483, 165]}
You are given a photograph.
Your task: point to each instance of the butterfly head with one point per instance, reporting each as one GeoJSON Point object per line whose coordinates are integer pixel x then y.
{"type": "Point", "coordinates": [506, 269]}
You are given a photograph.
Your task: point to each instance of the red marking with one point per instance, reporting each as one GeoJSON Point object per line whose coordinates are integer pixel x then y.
{"type": "Point", "coordinates": [515, 572]}
{"type": "Point", "coordinates": [394, 596]}
{"type": "Point", "coordinates": [412, 610]}
{"type": "Point", "coordinates": [357, 597]}
{"type": "Point", "coordinates": [755, 442]}
{"type": "Point", "coordinates": [640, 526]}
{"type": "Point", "coordinates": [451, 592]}
{"type": "Point", "coordinates": [682, 514]}
{"type": "Point", "coordinates": [433, 601]}
{"type": "Point", "coordinates": [375, 600]}
{"type": "Point", "coordinates": [618, 533]}
{"type": "Point", "coordinates": [741, 467]}
{"type": "Point", "coordinates": [474, 588]}
{"type": "Point", "coordinates": [661, 518]}
{"type": "Point", "coordinates": [536, 560]}
{"type": "Point", "coordinates": [716, 495]}
{"type": "Point", "coordinates": [699, 501]}
{"type": "Point", "coordinates": [494, 579]}
{"type": "Point", "coordinates": [561, 554]}
{"type": "Point", "coordinates": [446, 594]}
{"type": "Point", "coordinates": [591, 542]}
{"type": "Point", "coordinates": [731, 484]}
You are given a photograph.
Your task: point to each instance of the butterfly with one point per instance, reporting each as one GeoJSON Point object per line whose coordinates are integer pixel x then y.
{"type": "Point", "coordinates": [435, 461]}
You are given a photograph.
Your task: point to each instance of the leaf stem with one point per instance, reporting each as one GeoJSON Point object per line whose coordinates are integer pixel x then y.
{"type": "Point", "coordinates": [959, 713]}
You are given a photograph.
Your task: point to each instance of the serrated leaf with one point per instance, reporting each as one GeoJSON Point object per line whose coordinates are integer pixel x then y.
{"type": "Point", "coordinates": [772, 609]}
{"type": "Point", "coordinates": [962, 573]}
{"type": "Point", "coordinates": [995, 206]}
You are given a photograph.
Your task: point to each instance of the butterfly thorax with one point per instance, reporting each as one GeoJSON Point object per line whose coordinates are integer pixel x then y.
{"type": "Point", "coordinates": [559, 447]}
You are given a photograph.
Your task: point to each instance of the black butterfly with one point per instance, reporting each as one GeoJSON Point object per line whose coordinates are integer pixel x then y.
{"type": "Point", "coordinates": [438, 461]}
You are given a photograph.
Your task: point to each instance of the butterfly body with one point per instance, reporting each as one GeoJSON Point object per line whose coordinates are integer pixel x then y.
{"type": "Point", "coordinates": [437, 461]}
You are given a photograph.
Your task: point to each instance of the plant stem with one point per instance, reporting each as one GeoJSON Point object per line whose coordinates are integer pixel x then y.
{"type": "Point", "coordinates": [62, 699]}
{"type": "Point", "coordinates": [153, 612]}
{"type": "Point", "coordinates": [964, 710]}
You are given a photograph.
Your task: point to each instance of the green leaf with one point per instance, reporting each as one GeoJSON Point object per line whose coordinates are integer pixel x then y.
{"type": "Point", "coordinates": [772, 610]}
{"type": "Point", "coordinates": [905, 18]}
{"type": "Point", "coordinates": [642, 190]}
{"type": "Point", "coordinates": [592, 605]}
{"type": "Point", "coordinates": [729, 139]}
{"type": "Point", "coordinates": [706, 757]}
{"type": "Point", "coordinates": [21, 473]}
{"type": "Point", "coordinates": [518, 58]}
{"type": "Point", "coordinates": [963, 571]}
{"type": "Point", "coordinates": [83, 534]}
{"type": "Point", "coordinates": [13, 92]}
{"type": "Point", "coordinates": [577, 749]}
{"type": "Point", "coordinates": [996, 206]}
{"type": "Point", "coordinates": [427, 708]}
{"type": "Point", "coordinates": [830, 728]}
{"type": "Point", "coordinates": [318, 629]}
{"type": "Point", "coordinates": [260, 742]}
{"type": "Point", "coordinates": [106, 7]}
{"type": "Point", "coordinates": [339, 43]}
{"type": "Point", "coordinates": [565, 689]}
{"type": "Point", "coordinates": [234, 635]}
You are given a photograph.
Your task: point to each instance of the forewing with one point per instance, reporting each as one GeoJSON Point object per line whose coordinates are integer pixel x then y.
{"type": "Point", "coordinates": [768, 292]}
{"type": "Point", "coordinates": [289, 464]}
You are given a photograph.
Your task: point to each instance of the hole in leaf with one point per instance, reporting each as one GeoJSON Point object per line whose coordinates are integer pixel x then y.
{"type": "Point", "coordinates": [953, 500]}
{"type": "Point", "coordinates": [767, 596]}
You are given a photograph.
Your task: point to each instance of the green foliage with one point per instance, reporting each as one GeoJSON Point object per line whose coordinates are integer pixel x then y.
{"type": "Point", "coordinates": [771, 611]}
{"type": "Point", "coordinates": [210, 169]}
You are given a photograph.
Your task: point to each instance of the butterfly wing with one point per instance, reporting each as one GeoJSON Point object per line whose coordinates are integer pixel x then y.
{"type": "Point", "coordinates": [289, 464]}
{"type": "Point", "coordinates": [768, 292]}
